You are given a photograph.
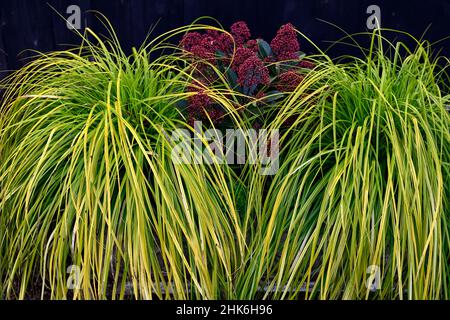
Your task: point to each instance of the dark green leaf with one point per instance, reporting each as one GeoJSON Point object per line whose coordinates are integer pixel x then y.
{"type": "Point", "coordinates": [264, 48]}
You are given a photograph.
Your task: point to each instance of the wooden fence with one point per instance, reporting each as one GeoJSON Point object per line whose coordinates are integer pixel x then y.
{"type": "Point", "coordinates": [34, 24]}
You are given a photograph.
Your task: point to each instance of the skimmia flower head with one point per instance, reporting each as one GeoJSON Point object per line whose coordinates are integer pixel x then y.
{"type": "Point", "coordinates": [252, 67]}
{"type": "Point", "coordinates": [240, 32]}
{"type": "Point", "coordinates": [289, 81]}
{"type": "Point", "coordinates": [285, 44]}
{"type": "Point", "coordinates": [252, 72]}
{"type": "Point", "coordinates": [241, 55]}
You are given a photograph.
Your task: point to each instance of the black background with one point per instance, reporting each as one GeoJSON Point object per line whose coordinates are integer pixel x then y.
{"type": "Point", "coordinates": [33, 24]}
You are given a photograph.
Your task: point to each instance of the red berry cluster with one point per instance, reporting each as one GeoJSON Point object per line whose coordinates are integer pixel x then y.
{"type": "Point", "coordinates": [285, 44]}
{"type": "Point", "coordinates": [241, 32]}
{"type": "Point", "coordinates": [252, 72]}
{"type": "Point", "coordinates": [201, 108]}
{"type": "Point", "coordinates": [289, 81]}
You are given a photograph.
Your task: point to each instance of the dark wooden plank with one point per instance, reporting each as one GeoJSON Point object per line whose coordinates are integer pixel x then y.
{"type": "Point", "coordinates": [3, 64]}
{"type": "Point", "coordinates": [27, 26]}
{"type": "Point", "coordinates": [133, 20]}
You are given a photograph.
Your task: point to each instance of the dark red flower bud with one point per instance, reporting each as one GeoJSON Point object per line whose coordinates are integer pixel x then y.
{"type": "Point", "coordinates": [285, 43]}
{"type": "Point", "coordinates": [213, 33]}
{"type": "Point", "coordinates": [215, 115]}
{"type": "Point", "coordinates": [286, 56]}
{"type": "Point", "coordinates": [240, 32]}
{"type": "Point", "coordinates": [225, 43]}
{"type": "Point", "coordinates": [253, 72]}
{"type": "Point", "coordinates": [202, 52]}
{"type": "Point", "coordinates": [289, 81]}
{"type": "Point", "coordinates": [191, 39]}
{"type": "Point", "coordinates": [199, 101]}
{"type": "Point", "coordinates": [240, 56]}
{"type": "Point", "coordinates": [252, 45]}
{"type": "Point", "coordinates": [307, 64]}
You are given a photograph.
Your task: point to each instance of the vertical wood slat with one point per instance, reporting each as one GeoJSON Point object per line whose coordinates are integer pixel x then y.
{"type": "Point", "coordinates": [27, 26]}
{"type": "Point", "coordinates": [3, 64]}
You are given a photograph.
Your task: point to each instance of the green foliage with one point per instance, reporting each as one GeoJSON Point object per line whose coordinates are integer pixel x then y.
{"type": "Point", "coordinates": [365, 181]}
{"type": "Point", "coordinates": [87, 179]}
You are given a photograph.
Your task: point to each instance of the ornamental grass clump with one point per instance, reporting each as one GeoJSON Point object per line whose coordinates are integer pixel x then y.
{"type": "Point", "coordinates": [88, 185]}
{"type": "Point", "coordinates": [360, 206]}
